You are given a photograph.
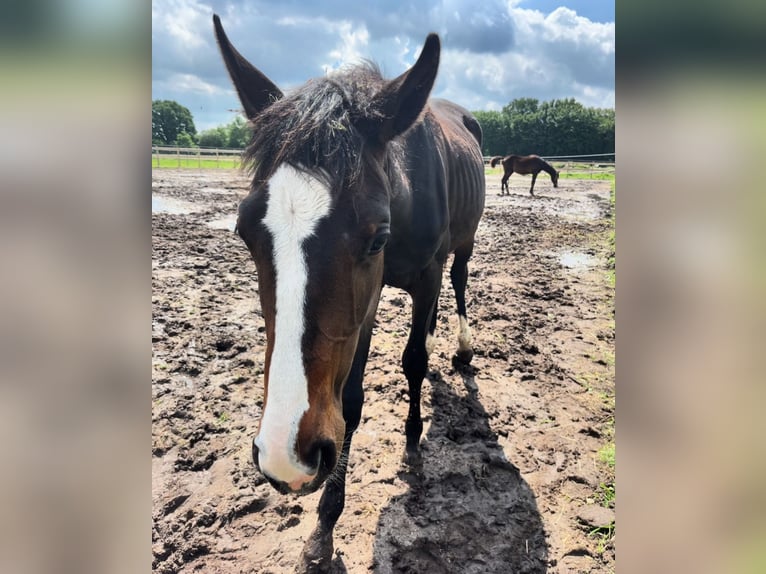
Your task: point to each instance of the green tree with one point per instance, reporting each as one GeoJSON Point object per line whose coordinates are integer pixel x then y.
{"type": "Point", "coordinates": [569, 129]}
{"type": "Point", "coordinates": [236, 134]}
{"type": "Point", "coordinates": [605, 118]}
{"type": "Point", "coordinates": [169, 120]}
{"type": "Point", "coordinates": [494, 132]}
{"type": "Point", "coordinates": [555, 127]}
{"type": "Point", "coordinates": [185, 140]}
{"type": "Point", "coordinates": [215, 137]}
{"type": "Point", "coordinates": [522, 107]}
{"type": "Point", "coordinates": [239, 133]}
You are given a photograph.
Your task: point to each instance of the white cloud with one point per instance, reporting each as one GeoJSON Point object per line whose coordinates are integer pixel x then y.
{"type": "Point", "coordinates": [492, 51]}
{"type": "Point", "coordinates": [566, 45]}
{"type": "Point", "coordinates": [352, 44]}
{"type": "Point", "coordinates": [185, 22]}
{"type": "Point", "coordinates": [181, 83]}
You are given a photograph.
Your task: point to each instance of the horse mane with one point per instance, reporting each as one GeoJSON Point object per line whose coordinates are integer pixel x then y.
{"type": "Point", "coordinates": [313, 128]}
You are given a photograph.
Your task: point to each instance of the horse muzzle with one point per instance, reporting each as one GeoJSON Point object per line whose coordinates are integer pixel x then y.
{"type": "Point", "coordinates": [322, 458]}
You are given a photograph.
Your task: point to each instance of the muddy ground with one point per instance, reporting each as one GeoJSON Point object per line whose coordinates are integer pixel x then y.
{"type": "Point", "coordinates": [512, 480]}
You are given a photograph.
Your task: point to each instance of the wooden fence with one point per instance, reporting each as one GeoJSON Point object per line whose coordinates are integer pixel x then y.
{"type": "Point", "coordinates": [171, 156]}
{"type": "Point", "coordinates": [593, 168]}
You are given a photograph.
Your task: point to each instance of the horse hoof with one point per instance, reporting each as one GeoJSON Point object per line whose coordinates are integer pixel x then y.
{"type": "Point", "coordinates": [463, 357]}
{"type": "Point", "coordinates": [317, 553]}
{"type": "Point", "coordinates": [413, 458]}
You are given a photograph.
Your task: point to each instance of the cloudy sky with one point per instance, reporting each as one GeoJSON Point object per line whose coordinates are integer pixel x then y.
{"type": "Point", "coordinates": [492, 50]}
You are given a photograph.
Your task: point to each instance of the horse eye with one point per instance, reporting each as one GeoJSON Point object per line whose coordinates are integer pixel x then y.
{"type": "Point", "coordinates": [378, 242]}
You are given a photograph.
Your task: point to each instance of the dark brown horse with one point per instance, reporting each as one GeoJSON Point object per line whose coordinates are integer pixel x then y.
{"type": "Point", "coordinates": [524, 164]}
{"type": "Point", "coordinates": [358, 182]}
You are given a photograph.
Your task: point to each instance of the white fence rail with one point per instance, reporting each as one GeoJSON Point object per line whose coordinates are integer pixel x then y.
{"type": "Point", "coordinates": [571, 164]}
{"type": "Point", "coordinates": [187, 156]}
{"type": "Point", "coordinates": [221, 157]}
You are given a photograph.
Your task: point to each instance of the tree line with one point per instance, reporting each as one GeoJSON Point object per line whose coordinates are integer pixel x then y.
{"type": "Point", "coordinates": [552, 128]}
{"type": "Point", "coordinates": [173, 124]}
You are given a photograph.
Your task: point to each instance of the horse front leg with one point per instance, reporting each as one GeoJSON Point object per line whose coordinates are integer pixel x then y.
{"type": "Point", "coordinates": [415, 356]}
{"type": "Point", "coordinates": [504, 184]}
{"type": "Point", "coordinates": [534, 177]}
{"type": "Point", "coordinates": [430, 338]}
{"type": "Point", "coordinates": [459, 276]}
{"type": "Point", "coordinates": [318, 549]}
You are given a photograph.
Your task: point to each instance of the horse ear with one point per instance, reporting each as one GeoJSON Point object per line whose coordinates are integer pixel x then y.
{"type": "Point", "coordinates": [399, 103]}
{"type": "Point", "coordinates": [255, 90]}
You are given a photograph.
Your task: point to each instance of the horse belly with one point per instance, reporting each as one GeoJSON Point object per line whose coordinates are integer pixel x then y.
{"type": "Point", "coordinates": [466, 202]}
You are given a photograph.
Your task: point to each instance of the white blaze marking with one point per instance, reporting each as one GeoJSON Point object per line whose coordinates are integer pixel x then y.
{"type": "Point", "coordinates": [296, 204]}
{"type": "Point", "coordinates": [464, 338]}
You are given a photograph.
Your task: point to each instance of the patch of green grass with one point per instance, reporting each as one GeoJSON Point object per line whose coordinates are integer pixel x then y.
{"type": "Point", "coordinates": [606, 493]}
{"type": "Point", "coordinates": [223, 417]}
{"type": "Point", "coordinates": [608, 399]}
{"type": "Point", "coordinates": [600, 175]}
{"type": "Point", "coordinates": [606, 454]}
{"type": "Point", "coordinates": [604, 535]}
{"type": "Point", "coordinates": [597, 175]}
{"type": "Point", "coordinates": [193, 162]}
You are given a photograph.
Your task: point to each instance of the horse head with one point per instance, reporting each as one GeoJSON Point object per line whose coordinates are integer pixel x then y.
{"type": "Point", "coordinates": [316, 222]}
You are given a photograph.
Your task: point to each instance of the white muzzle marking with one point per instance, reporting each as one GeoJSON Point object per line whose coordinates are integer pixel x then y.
{"type": "Point", "coordinates": [297, 202]}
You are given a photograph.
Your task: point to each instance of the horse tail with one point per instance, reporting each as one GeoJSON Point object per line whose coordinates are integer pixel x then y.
{"type": "Point", "coordinates": [494, 160]}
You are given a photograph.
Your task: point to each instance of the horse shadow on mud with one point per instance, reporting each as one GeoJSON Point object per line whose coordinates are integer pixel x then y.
{"type": "Point", "coordinates": [468, 509]}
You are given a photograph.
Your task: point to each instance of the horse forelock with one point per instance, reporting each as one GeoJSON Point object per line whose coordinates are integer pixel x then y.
{"type": "Point", "coordinates": [314, 128]}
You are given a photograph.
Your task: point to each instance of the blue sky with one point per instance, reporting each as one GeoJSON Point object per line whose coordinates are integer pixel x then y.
{"type": "Point", "coordinates": [492, 50]}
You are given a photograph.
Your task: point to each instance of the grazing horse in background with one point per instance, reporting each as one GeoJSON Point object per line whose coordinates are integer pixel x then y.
{"type": "Point", "coordinates": [358, 182]}
{"type": "Point", "coordinates": [524, 165]}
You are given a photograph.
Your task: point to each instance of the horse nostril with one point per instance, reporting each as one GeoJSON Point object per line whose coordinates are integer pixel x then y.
{"type": "Point", "coordinates": [322, 456]}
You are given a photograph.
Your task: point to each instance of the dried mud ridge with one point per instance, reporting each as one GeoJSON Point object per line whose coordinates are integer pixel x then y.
{"type": "Point", "coordinates": [510, 480]}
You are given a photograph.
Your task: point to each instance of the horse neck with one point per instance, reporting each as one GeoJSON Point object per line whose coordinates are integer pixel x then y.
{"type": "Point", "coordinates": [547, 167]}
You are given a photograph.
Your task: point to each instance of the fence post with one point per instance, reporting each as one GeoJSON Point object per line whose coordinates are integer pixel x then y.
{"type": "Point", "coordinates": [217, 158]}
